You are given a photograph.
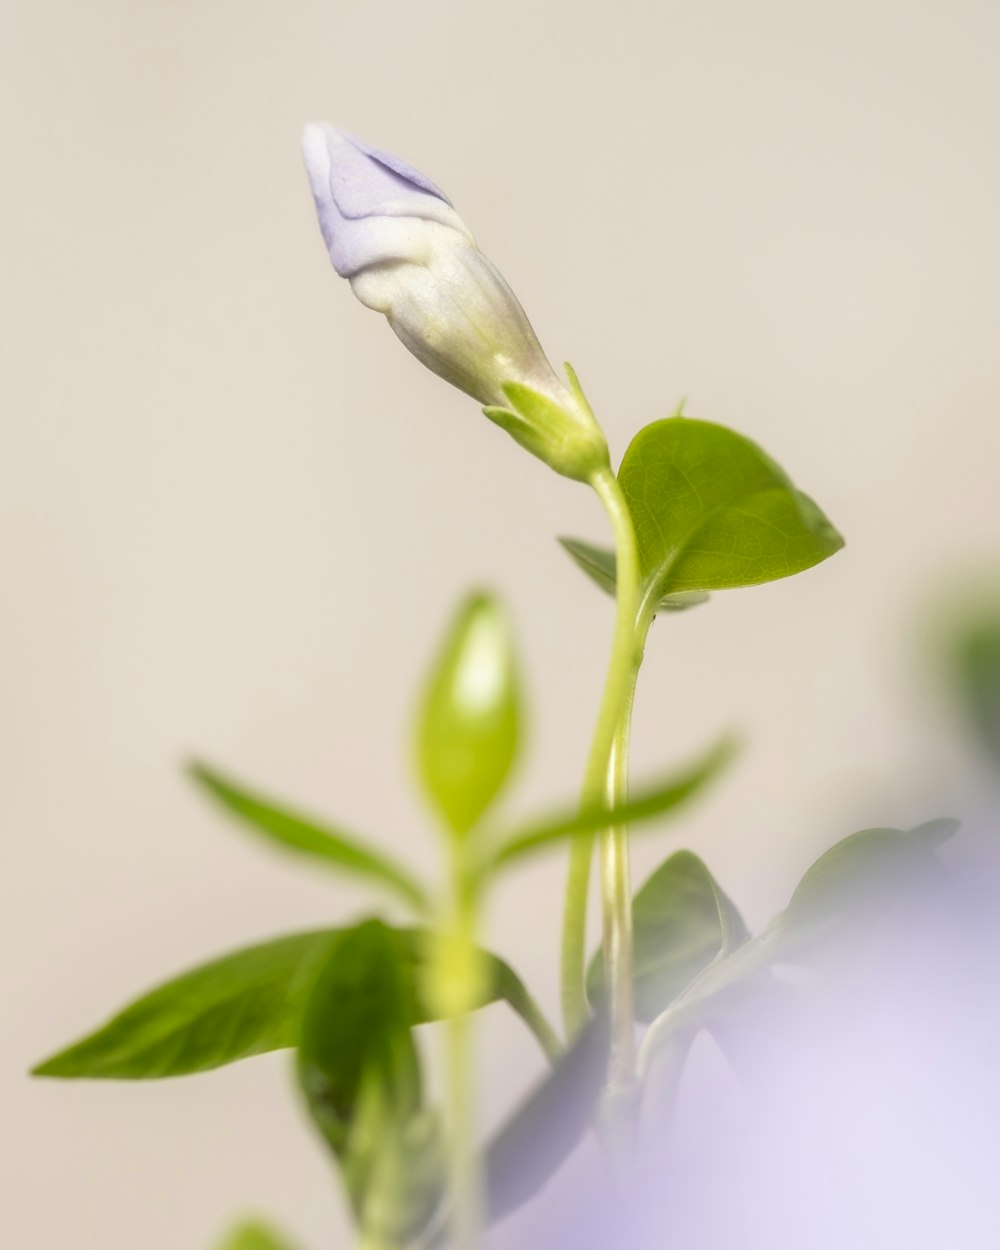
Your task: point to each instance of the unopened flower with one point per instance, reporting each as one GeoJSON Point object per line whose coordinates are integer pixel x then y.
{"type": "Point", "coordinates": [408, 254]}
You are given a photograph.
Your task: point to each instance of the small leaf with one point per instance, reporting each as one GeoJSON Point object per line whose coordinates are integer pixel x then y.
{"type": "Point", "coordinates": [600, 565]}
{"type": "Point", "coordinates": [469, 723]}
{"type": "Point", "coordinates": [248, 1003]}
{"type": "Point", "coordinates": [360, 1071]}
{"type": "Point", "coordinates": [255, 1236]}
{"type": "Point", "coordinates": [682, 921]}
{"type": "Point", "coordinates": [597, 562]}
{"type": "Point", "coordinates": [713, 512]}
{"type": "Point", "coordinates": [658, 800]}
{"type": "Point", "coordinates": [299, 833]}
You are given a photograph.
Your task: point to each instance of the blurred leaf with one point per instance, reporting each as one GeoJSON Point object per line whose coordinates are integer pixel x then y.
{"type": "Point", "coordinates": [360, 1071]}
{"type": "Point", "coordinates": [852, 875]}
{"type": "Point", "coordinates": [243, 1004]}
{"type": "Point", "coordinates": [855, 878]}
{"type": "Point", "coordinates": [247, 1003]}
{"type": "Point", "coordinates": [469, 724]}
{"type": "Point", "coordinates": [712, 511]}
{"type": "Point", "coordinates": [529, 1148]}
{"type": "Point", "coordinates": [658, 800]}
{"type": "Point", "coordinates": [309, 837]}
{"type": "Point", "coordinates": [682, 921]}
{"type": "Point", "coordinates": [599, 564]}
{"type": "Point", "coordinates": [976, 664]}
{"type": "Point", "coordinates": [255, 1236]}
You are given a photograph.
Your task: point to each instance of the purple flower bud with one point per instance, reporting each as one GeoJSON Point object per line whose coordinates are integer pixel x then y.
{"type": "Point", "coordinates": [408, 254]}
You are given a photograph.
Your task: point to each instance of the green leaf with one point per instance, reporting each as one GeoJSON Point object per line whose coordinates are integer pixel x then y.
{"type": "Point", "coordinates": [600, 565]}
{"type": "Point", "coordinates": [248, 1003]}
{"type": "Point", "coordinates": [243, 1004]}
{"type": "Point", "coordinates": [360, 1071]}
{"type": "Point", "coordinates": [854, 874]}
{"type": "Point", "coordinates": [976, 666]}
{"type": "Point", "coordinates": [713, 512]}
{"type": "Point", "coordinates": [470, 721]}
{"type": "Point", "coordinates": [854, 878]}
{"type": "Point", "coordinates": [682, 921]}
{"type": "Point", "coordinates": [253, 1235]}
{"type": "Point", "coordinates": [660, 799]}
{"type": "Point", "coordinates": [309, 837]}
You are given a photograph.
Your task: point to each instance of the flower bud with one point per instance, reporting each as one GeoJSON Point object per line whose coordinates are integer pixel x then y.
{"type": "Point", "coordinates": [408, 254]}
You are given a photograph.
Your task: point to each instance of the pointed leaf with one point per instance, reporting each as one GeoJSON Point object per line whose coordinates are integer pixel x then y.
{"type": "Point", "coordinates": [469, 724]}
{"type": "Point", "coordinates": [243, 1004]}
{"type": "Point", "coordinates": [600, 565]}
{"type": "Point", "coordinates": [247, 1003]}
{"type": "Point", "coordinates": [712, 511]}
{"type": "Point", "coordinates": [657, 800]}
{"type": "Point", "coordinates": [309, 837]}
{"type": "Point", "coordinates": [682, 921]}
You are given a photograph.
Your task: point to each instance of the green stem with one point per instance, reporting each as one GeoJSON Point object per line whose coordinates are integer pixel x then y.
{"type": "Point", "coordinates": [605, 780]}
{"type": "Point", "coordinates": [460, 975]}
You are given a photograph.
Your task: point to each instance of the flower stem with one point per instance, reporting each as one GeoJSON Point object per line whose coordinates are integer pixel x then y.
{"type": "Point", "coordinates": [605, 781]}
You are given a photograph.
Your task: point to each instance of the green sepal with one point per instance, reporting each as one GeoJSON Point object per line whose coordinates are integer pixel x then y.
{"type": "Point", "coordinates": [569, 442]}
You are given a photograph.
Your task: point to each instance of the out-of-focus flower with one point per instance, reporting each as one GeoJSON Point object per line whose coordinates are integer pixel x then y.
{"type": "Point", "coordinates": [408, 254]}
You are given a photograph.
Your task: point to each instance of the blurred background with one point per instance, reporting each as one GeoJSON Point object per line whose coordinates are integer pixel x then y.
{"type": "Point", "coordinates": [235, 514]}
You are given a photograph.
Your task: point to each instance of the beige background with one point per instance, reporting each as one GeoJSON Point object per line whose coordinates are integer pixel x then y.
{"type": "Point", "coordinates": [234, 514]}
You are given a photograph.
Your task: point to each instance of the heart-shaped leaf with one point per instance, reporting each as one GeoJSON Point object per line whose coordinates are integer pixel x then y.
{"type": "Point", "coordinates": [248, 1003]}
{"type": "Point", "coordinates": [469, 724]}
{"type": "Point", "coordinates": [682, 920]}
{"type": "Point", "coordinates": [712, 511]}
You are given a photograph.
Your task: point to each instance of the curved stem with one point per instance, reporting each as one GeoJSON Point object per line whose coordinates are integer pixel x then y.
{"type": "Point", "coordinates": [604, 780]}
